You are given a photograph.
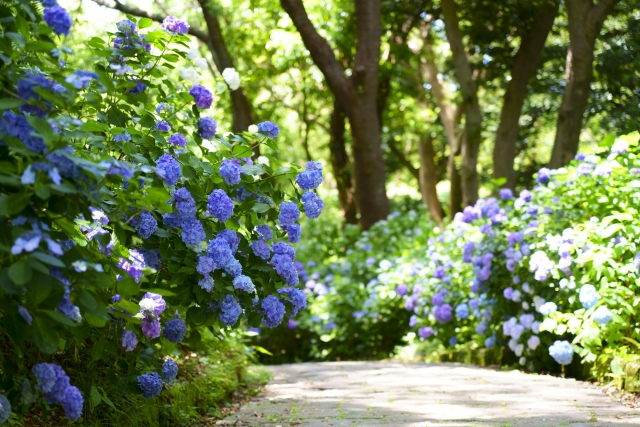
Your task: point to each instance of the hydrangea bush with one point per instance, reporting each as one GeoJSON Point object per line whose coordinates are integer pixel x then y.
{"type": "Point", "coordinates": [126, 221]}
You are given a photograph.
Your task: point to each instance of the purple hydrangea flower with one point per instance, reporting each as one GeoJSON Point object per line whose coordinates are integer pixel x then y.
{"type": "Point", "coordinates": [425, 332]}
{"type": "Point", "coordinates": [231, 237]}
{"type": "Point", "coordinates": [67, 308]}
{"type": "Point", "coordinates": [230, 310]}
{"type": "Point", "coordinates": [292, 324]}
{"type": "Point", "coordinates": [169, 371]}
{"type": "Point", "coordinates": [178, 139]}
{"type": "Point", "coordinates": [506, 194]}
{"type": "Point", "coordinates": [150, 384]}
{"type": "Point", "coordinates": [202, 97]}
{"type": "Point", "coordinates": [152, 303]}
{"type": "Point", "coordinates": [443, 313]}
{"type": "Point", "coordinates": [175, 25]}
{"type": "Point", "coordinates": [168, 169]}
{"type": "Point", "coordinates": [269, 128]}
{"type": "Point", "coordinates": [312, 205]}
{"type": "Point", "coordinates": [81, 79]}
{"type": "Point", "coordinates": [220, 205]}
{"type": "Point", "coordinates": [72, 403]}
{"type": "Point", "coordinates": [402, 289]}
{"type": "Point", "coordinates": [175, 329]}
{"type": "Point", "coordinates": [129, 340]}
{"type": "Point", "coordinates": [205, 265]}
{"type": "Point", "coordinates": [58, 19]}
{"type": "Point", "coordinates": [133, 267]}
{"type": "Point", "coordinates": [273, 310]}
{"type": "Point", "coordinates": [206, 283]}
{"type": "Point", "coordinates": [244, 283]}
{"type": "Point", "coordinates": [162, 126]}
{"type": "Point", "coordinates": [207, 127]}
{"type": "Point", "coordinates": [24, 313]}
{"type": "Point", "coordinates": [220, 251]}
{"type": "Point", "coordinates": [151, 327]}
{"type": "Point", "coordinates": [261, 249]}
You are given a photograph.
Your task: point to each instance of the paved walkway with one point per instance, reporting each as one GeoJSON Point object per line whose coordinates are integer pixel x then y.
{"type": "Point", "coordinates": [420, 395]}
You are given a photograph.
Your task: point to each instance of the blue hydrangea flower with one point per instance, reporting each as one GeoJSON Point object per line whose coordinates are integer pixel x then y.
{"type": "Point", "coordinates": [230, 310]}
{"type": "Point", "coordinates": [220, 251]}
{"type": "Point", "coordinates": [265, 232]}
{"type": "Point", "coordinates": [52, 381]}
{"type": "Point", "coordinates": [602, 315]}
{"type": "Point", "coordinates": [17, 127]}
{"type": "Point", "coordinates": [168, 169]}
{"type": "Point", "coordinates": [24, 313]}
{"type": "Point", "coordinates": [261, 249]}
{"type": "Point", "coordinates": [425, 332]}
{"type": "Point", "coordinates": [175, 25]}
{"type": "Point", "coordinates": [506, 194]}
{"type": "Point", "coordinates": [178, 139]}
{"type": "Point", "coordinates": [231, 237]}
{"type": "Point", "coordinates": [269, 128]}
{"type": "Point", "coordinates": [138, 88]}
{"type": "Point", "coordinates": [544, 175]}
{"type": "Point", "coordinates": [588, 296]}
{"type": "Point", "coordinates": [201, 96]}
{"type": "Point", "coordinates": [548, 308]}
{"type": "Point", "coordinates": [151, 258]}
{"type": "Point", "coordinates": [205, 265]}
{"type": "Point", "coordinates": [67, 308]}
{"type": "Point", "coordinates": [207, 127]}
{"type": "Point", "coordinates": [244, 283]}
{"type": "Point", "coordinates": [134, 265]}
{"type": "Point", "coordinates": [48, 3]}
{"type": "Point", "coordinates": [127, 26]}
{"type": "Point", "coordinates": [443, 313]}
{"type": "Point", "coordinates": [462, 311]}
{"type": "Point", "coordinates": [294, 232]}
{"type": "Point", "coordinates": [81, 79]}
{"type": "Point", "coordinates": [162, 126]}
{"type": "Point", "coordinates": [297, 298]}
{"type": "Point", "coordinates": [129, 340]}
{"type": "Point", "coordinates": [5, 409]}
{"type": "Point", "coordinates": [562, 352]}
{"type": "Point", "coordinates": [192, 231]}
{"type": "Point", "coordinates": [163, 106]}
{"type": "Point", "coordinates": [72, 403]}
{"type": "Point", "coordinates": [169, 371]}
{"type": "Point", "coordinates": [58, 19]}
{"type": "Point", "coordinates": [282, 248]}
{"type": "Point", "coordinates": [150, 384]}
{"type": "Point", "coordinates": [490, 342]}
{"type": "Point", "coordinates": [311, 178]}
{"type": "Point", "coordinates": [145, 224]}
{"type": "Point", "coordinates": [152, 303]}
{"type": "Point", "coordinates": [230, 170]}
{"type": "Point", "coordinates": [220, 205]}
{"type": "Point", "coordinates": [312, 205]}
{"type": "Point", "coordinates": [175, 329]}
{"type": "Point", "coordinates": [289, 214]}
{"type": "Point", "coordinates": [122, 137]}
{"type": "Point", "coordinates": [273, 310]}
{"type": "Point", "coordinates": [206, 283]}
{"type": "Point", "coordinates": [233, 267]}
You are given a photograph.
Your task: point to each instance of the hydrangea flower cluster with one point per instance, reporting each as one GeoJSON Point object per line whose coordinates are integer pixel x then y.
{"type": "Point", "coordinates": [53, 382]}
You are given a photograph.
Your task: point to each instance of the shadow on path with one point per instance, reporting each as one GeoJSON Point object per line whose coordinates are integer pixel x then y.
{"type": "Point", "coordinates": [406, 394]}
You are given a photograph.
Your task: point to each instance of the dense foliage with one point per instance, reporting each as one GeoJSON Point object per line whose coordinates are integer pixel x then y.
{"type": "Point", "coordinates": [551, 274]}
{"type": "Point", "coordinates": [126, 222]}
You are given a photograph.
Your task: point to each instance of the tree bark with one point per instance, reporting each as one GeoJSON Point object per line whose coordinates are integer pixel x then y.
{"type": "Point", "coordinates": [524, 68]}
{"type": "Point", "coordinates": [585, 23]}
{"type": "Point", "coordinates": [415, 172]}
{"type": "Point", "coordinates": [428, 179]}
{"type": "Point", "coordinates": [341, 165]}
{"type": "Point", "coordinates": [241, 108]}
{"type": "Point", "coordinates": [357, 96]}
{"type": "Point", "coordinates": [473, 115]}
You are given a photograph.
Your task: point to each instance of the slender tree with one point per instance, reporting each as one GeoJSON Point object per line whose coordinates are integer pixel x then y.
{"type": "Point", "coordinates": [524, 68]}
{"type": "Point", "coordinates": [473, 116]}
{"type": "Point", "coordinates": [357, 97]}
{"type": "Point", "coordinates": [585, 23]}
{"type": "Point", "coordinates": [341, 165]}
{"type": "Point", "coordinates": [428, 179]}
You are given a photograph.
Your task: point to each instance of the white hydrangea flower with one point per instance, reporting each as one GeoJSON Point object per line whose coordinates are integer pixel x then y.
{"type": "Point", "coordinates": [232, 77]}
{"type": "Point", "coordinates": [262, 160]}
{"type": "Point", "coordinates": [191, 75]}
{"type": "Point", "coordinates": [193, 53]}
{"type": "Point", "coordinates": [201, 63]}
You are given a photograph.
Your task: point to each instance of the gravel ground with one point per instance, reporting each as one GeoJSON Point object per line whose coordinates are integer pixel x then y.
{"type": "Point", "coordinates": [424, 395]}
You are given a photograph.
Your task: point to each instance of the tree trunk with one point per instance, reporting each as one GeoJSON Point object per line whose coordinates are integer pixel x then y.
{"type": "Point", "coordinates": [341, 166]}
{"type": "Point", "coordinates": [524, 68]}
{"type": "Point", "coordinates": [585, 22]}
{"type": "Point", "coordinates": [428, 179]}
{"type": "Point", "coordinates": [473, 115]}
{"type": "Point", "coordinates": [455, 180]}
{"type": "Point", "coordinates": [242, 111]}
{"type": "Point", "coordinates": [357, 96]}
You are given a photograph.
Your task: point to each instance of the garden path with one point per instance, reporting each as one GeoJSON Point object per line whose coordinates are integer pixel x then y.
{"type": "Point", "coordinates": [425, 395]}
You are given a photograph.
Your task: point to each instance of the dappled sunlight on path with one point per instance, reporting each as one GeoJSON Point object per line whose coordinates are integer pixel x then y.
{"type": "Point", "coordinates": [404, 394]}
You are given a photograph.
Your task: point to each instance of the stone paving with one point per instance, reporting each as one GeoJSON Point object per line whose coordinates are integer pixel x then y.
{"type": "Point", "coordinates": [425, 395]}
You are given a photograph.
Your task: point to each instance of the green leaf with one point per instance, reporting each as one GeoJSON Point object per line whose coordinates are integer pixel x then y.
{"type": "Point", "coordinates": [96, 399]}
{"type": "Point", "coordinates": [61, 318]}
{"type": "Point", "coordinates": [93, 320]}
{"type": "Point", "coordinates": [14, 203]}
{"type": "Point", "coordinates": [260, 207]}
{"type": "Point", "coordinates": [48, 259]}
{"type": "Point", "coordinates": [241, 151]}
{"type": "Point", "coordinates": [145, 23]}
{"type": "Point", "coordinates": [262, 350]}
{"type": "Point", "coordinates": [20, 272]}
{"type": "Point", "coordinates": [45, 337]}
{"type": "Point", "coordinates": [6, 103]}
{"type": "Point", "coordinates": [160, 291]}
{"type": "Point", "coordinates": [256, 169]}
{"type": "Point", "coordinates": [98, 350]}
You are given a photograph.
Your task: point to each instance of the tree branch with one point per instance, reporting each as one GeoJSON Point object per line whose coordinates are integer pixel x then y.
{"type": "Point", "coordinates": [132, 10]}
{"type": "Point", "coordinates": [321, 53]}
